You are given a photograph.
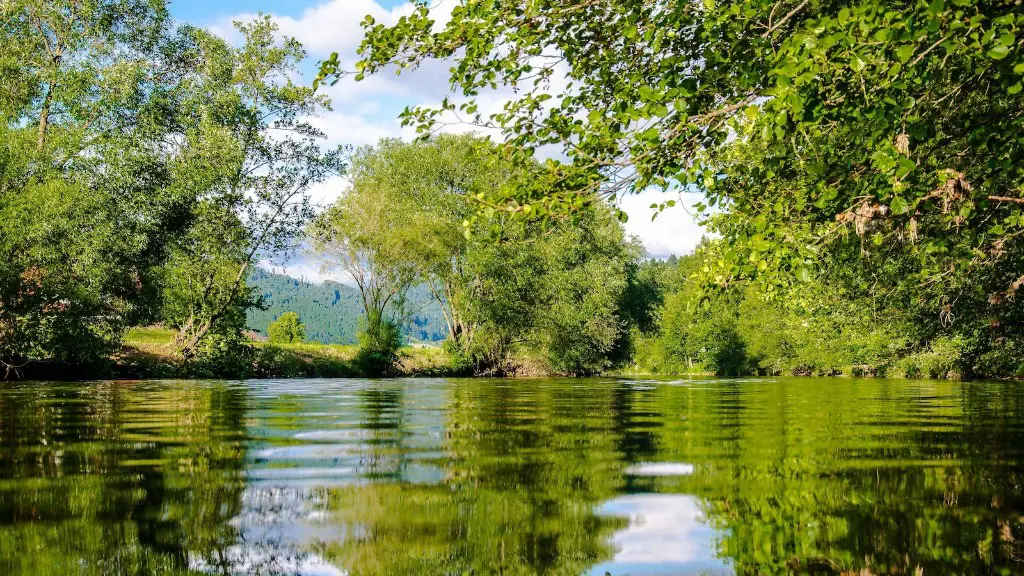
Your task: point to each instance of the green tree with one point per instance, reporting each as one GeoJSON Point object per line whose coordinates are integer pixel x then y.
{"type": "Point", "coordinates": [287, 329]}
{"type": "Point", "coordinates": [258, 205]}
{"type": "Point", "coordinates": [92, 190]}
{"type": "Point", "coordinates": [506, 287]}
{"type": "Point", "coordinates": [373, 236]}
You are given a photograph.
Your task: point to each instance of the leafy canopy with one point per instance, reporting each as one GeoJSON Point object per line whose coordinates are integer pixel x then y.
{"type": "Point", "coordinates": [800, 120]}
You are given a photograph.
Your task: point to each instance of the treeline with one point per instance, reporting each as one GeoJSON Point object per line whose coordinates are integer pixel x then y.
{"type": "Point", "coordinates": [822, 329]}
{"type": "Point", "coordinates": [144, 169]}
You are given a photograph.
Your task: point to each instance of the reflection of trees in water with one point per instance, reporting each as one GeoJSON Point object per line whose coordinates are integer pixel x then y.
{"type": "Point", "coordinates": [877, 476]}
{"type": "Point", "coordinates": [635, 429]}
{"type": "Point", "coordinates": [527, 466]}
{"type": "Point", "coordinates": [864, 477]}
{"type": "Point", "coordinates": [110, 479]}
{"type": "Point", "coordinates": [381, 408]}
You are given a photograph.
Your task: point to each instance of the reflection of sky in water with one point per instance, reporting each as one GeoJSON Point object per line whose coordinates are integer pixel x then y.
{"type": "Point", "coordinates": [251, 560]}
{"type": "Point", "coordinates": [666, 535]}
{"type": "Point", "coordinates": [660, 469]}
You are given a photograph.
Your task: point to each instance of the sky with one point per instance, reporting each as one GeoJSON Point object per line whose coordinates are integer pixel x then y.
{"type": "Point", "coordinates": [364, 112]}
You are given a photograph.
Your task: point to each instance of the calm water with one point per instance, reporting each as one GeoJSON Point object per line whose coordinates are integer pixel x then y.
{"type": "Point", "coordinates": [330, 477]}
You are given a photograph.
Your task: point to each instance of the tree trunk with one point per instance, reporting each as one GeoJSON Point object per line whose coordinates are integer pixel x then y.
{"type": "Point", "coordinates": [44, 117]}
{"type": "Point", "coordinates": [188, 338]}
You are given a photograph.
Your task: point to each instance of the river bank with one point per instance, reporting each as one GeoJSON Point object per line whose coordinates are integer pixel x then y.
{"type": "Point", "coordinates": [150, 353]}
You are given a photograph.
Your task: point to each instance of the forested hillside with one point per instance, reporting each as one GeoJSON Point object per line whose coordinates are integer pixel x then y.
{"type": "Point", "coordinates": [331, 310]}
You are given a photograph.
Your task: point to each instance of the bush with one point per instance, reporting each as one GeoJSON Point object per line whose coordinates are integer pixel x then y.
{"type": "Point", "coordinates": [460, 360]}
{"type": "Point", "coordinates": [379, 342]}
{"type": "Point", "coordinates": [223, 355]}
{"type": "Point", "coordinates": [944, 358]}
{"type": "Point", "coordinates": [1005, 358]}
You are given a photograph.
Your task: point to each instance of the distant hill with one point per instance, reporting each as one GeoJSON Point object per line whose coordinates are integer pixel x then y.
{"type": "Point", "coordinates": [331, 310]}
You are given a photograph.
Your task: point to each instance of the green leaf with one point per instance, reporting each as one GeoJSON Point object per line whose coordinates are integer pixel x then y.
{"type": "Point", "coordinates": [999, 51]}
{"type": "Point", "coordinates": [903, 53]}
{"type": "Point", "coordinates": [899, 206]}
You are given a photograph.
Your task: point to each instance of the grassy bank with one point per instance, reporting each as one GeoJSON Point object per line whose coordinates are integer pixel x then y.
{"type": "Point", "coordinates": [150, 353]}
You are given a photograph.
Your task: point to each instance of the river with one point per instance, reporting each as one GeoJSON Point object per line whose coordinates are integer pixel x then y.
{"type": "Point", "coordinates": [544, 476]}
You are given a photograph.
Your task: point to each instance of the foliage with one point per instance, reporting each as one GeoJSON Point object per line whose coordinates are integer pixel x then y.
{"type": "Point", "coordinates": [374, 236]}
{"type": "Point", "coordinates": [287, 329]}
{"type": "Point", "coordinates": [257, 204]}
{"type": "Point", "coordinates": [91, 93]}
{"type": "Point", "coordinates": [816, 329]}
{"type": "Point", "coordinates": [379, 341]}
{"type": "Point", "coordinates": [503, 286]}
{"type": "Point", "coordinates": [870, 146]}
{"type": "Point", "coordinates": [579, 321]}
{"type": "Point", "coordinates": [143, 169]}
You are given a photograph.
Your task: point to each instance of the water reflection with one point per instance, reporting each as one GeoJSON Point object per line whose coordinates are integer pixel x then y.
{"type": "Point", "coordinates": [505, 477]}
{"type": "Point", "coordinates": [667, 534]}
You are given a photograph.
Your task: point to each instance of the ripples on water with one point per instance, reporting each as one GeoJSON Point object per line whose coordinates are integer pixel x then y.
{"type": "Point", "coordinates": [594, 476]}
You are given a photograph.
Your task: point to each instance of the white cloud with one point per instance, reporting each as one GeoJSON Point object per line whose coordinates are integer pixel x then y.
{"type": "Point", "coordinates": [336, 25]}
{"type": "Point", "coordinates": [354, 129]}
{"type": "Point", "coordinates": [327, 192]}
{"type": "Point", "coordinates": [666, 534]}
{"type": "Point", "coordinates": [674, 231]}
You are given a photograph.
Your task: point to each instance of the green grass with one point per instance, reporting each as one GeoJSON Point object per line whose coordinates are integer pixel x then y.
{"type": "Point", "coordinates": [149, 352]}
{"type": "Point", "coordinates": [149, 336]}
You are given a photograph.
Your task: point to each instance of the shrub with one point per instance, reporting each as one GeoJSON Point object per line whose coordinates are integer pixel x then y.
{"type": "Point", "coordinates": [223, 355]}
{"type": "Point", "coordinates": [379, 342]}
{"type": "Point", "coordinates": [1005, 358]}
{"type": "Point", "coordinates": [287, 329]}
{"type": "Point", "coordinates": [943, 358]}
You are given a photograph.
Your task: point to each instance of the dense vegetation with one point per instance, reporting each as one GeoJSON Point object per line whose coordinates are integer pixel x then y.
{"type": "Point", "coordinates": [144, 168]}
{"type": "Point", "coordinates": [861, 160]}
{"type": "Point", "coordinates": [861, 163]}
{"type": "Point", "coordinates": [819, 330]}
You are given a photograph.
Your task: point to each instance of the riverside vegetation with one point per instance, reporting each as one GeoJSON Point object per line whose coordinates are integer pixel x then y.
{"type": "Point", "coordinates": [861, 164]}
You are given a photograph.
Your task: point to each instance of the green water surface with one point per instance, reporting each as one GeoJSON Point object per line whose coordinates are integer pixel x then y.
{"type": "Point", "coordinates": [452, 477]}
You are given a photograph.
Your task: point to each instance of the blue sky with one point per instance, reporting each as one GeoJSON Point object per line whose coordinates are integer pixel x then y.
{"type": "Point", "coordinates": [366, 111]}
{"type": "Point", "coordinates": [202, 11]}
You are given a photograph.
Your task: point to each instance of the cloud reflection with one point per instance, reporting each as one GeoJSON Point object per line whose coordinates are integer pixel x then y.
{"type": "Point", "coordinates": [666, 535]}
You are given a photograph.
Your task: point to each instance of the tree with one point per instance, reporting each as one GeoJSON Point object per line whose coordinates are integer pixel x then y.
{"type": "Point", "coordinates": [258, 207]}
{"type": "Point", "coordinates": [430, 185]}
{"type": "Point", "coordinates": [504, 285]}
{"type": "Point", "coordinates": [373, 236]}
{"type": "Point", "coordinates": [94, 105]}
{"type": "Point", "coordinates": [287, 329]}
{"type": "Point", "coordinates": [883, 137]}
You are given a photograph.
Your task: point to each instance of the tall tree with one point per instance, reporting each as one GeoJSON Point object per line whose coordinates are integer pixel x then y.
{"type": "Point", "coordinates": [260, 206]}
{"type": "Point", "coordinates": [375, 236]}
{"type": "Point", "coordinates": [93, 98]}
